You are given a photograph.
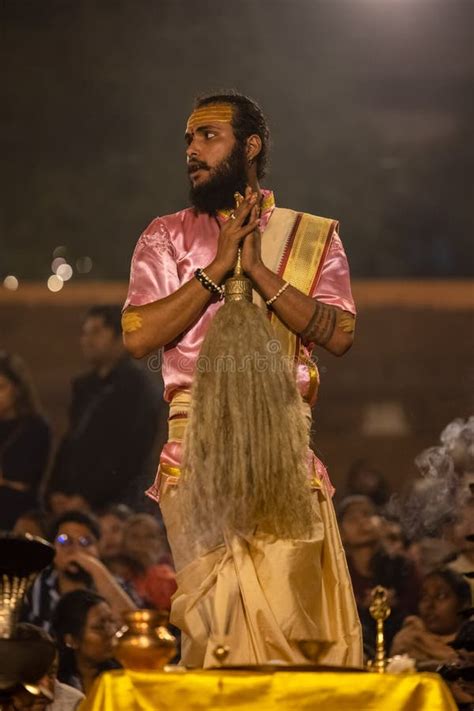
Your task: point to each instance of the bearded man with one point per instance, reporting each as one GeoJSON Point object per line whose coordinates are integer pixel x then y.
{"type": "Point", "coordinates": [255, 596]}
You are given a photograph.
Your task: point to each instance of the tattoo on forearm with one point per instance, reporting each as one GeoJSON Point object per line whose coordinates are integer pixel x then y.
{"type": "Point", "coordinates": [325, 320]}
{"type": "Point", "coordinates": [131, 321]}
{"type": "Point", "coordinates": [321, 325]}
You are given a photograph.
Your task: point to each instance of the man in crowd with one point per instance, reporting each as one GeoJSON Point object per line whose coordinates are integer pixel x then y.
{"type": "Point", "coordinates": [298, 267]}
{"type": "Point", "coordinates": [75, 536]}
{"type": "Point", "coordinates": [114, 421]}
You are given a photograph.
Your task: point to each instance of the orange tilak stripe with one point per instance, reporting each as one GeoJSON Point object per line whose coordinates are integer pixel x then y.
{"type": "Point", "coordinates": [221, 113]}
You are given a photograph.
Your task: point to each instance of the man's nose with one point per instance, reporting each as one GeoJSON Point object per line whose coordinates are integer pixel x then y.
{"type": "Point", "coordinates": [192, 150]}
{"type": "Point", "coordinates": [429, 602]}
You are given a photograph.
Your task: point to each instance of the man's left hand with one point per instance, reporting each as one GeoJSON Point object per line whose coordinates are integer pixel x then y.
{"type": "Point", "coordinates": [252, 247]}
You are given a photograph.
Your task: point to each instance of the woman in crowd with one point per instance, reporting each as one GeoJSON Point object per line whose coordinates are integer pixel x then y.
{"type": "Point", "coordinates": [366, 480]}
{"type": "Point", "coordinates": [370, 565]}
{"type": "Point", "coordinates": [25, 441]}
{"type": "Point", "coordinates": [463, 537]}
{"type": "Point", "coordinates": [112, 522]}
{"type": "Point", "coordinates": [426, 637]}
{"type": "Point", "coordinates": [85, 629]}
{"type": "Point", "coordinates": [144, 544]}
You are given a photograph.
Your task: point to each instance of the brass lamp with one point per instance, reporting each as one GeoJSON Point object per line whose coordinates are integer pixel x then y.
{"type": "Point", "coordinates": [21, 559]}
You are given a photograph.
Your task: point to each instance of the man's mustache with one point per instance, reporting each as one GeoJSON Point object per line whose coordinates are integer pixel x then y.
{"type": "Point", "coordinates": [197, 165]}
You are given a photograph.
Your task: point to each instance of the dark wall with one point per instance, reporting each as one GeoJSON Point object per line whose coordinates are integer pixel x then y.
{"type": "Point", "coordinates": [370, 104]}
{"type": "Point", "coordinates": [408, 374]}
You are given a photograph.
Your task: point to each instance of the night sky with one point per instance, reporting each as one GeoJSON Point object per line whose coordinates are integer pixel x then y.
{"type": "Point", "coordinates": [370, 104]}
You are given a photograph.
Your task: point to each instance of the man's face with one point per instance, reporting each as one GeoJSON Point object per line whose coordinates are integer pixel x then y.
{"type": "Point", "coordinates": [72, 538]}
{"type": "Point", "coordinates": [99, 343]}
{"type": "Point", "coordinates": [217, 166]}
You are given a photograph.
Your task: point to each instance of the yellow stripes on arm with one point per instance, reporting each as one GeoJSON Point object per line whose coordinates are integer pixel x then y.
{"type": "Point", "coordinates": [131, 321]}
{"type": "Point", "coordinates": [346, 322]}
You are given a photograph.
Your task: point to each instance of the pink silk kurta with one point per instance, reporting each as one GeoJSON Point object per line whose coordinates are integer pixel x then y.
{"type": "Point", "coordinates": [166, 257]}
{"type": "Point", "coordinates": [278, 591]}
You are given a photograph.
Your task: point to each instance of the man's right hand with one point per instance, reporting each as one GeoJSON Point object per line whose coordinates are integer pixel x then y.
{"type": "Point", "coordinates": [161, 322]}
{"type": "Point", "coordinates": [231, 235]}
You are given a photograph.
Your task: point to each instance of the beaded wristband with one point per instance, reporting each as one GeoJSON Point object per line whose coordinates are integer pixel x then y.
{"type": "Point", "coordinates": [279, 293]}
{"type": "Point", "coordinates": [207, 283]}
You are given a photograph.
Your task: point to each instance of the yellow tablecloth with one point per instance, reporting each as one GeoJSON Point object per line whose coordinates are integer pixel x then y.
{"type": "Point", "coordinates": [330, 691]}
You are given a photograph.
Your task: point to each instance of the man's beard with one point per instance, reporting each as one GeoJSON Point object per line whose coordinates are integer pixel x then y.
{"type": "Point", "coordinates": [217, 193]}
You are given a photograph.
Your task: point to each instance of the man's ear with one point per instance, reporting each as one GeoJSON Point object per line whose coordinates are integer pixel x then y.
{"type": "Point", "coordinates": [70, 642]}
{"type": "Point", "coordinates": [254, 146]}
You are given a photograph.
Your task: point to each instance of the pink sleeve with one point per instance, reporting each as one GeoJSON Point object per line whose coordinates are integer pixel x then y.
{"type": "Point", "coordinates": [153, 273]}
{"type": "Point", "coordinates": [334, 284]}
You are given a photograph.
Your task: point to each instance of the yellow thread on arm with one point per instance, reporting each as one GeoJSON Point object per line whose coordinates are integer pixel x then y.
{"type": "Point", "coordinates": [131, 321]}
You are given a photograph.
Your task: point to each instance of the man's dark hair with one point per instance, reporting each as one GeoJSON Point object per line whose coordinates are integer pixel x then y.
{"type": "Point", "coordinates": [70, 614]}
{"type": "Point", "coordinates": [75, 517]}
{"type": "Point", "coordinates": [248, 119]}
{"type": "Point", "coordinates": [27, 631]}
{"type": "Point", "coordinates": [111, 314]}
{"type": "Point", "coordinates": [456, 582]}
{"type": "Point", "coordinates": [120, 511]}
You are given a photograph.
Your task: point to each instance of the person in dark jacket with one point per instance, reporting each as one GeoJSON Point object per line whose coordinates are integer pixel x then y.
{"type": "Point", "coordinates": [25, 441]}
{"type": "Point", "coordinates": [115, 419]}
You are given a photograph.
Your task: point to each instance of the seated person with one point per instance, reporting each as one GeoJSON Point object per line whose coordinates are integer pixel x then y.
{"type": "Point", "coordinates": [427, 636]}
{"type": "Point", "coordinates": [51, 694]}
{"type": "Point", "coordinates": [76, 565]}
{"type": "Point", "coordinates": [85, 627]}
{"type": "Point", "coordinates": [61, 500]}
{"type": "Point", "coordinates": [112, 522]}
{"type": "Point", "coordinates": [34, 522]}
{"type": "Point", "coordinates": [463, 538]}
{"type": "Point", "coordinates": [392, 536]}
{"type": "Point", "coordinates": [459, 676]}
{"type": "Point", "coordinates": [145, 545]}
{"type": "Point", "coordinates": [366, 480]}
{"type": "Point", "coordinates": [370, 565]}
{"type": "Point", "coordinates": [25, 441]}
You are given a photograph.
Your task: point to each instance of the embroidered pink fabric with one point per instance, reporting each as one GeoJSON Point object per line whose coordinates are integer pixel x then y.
{"type": "Point", "coordinates": [167, 255]}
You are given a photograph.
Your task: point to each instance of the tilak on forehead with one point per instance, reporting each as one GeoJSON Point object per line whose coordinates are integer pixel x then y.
{"type": "Point", "coordinates": [212, 113]}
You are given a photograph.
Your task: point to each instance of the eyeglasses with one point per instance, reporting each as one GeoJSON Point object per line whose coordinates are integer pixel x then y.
{"type": "Point", "coordinates": [66, 541]}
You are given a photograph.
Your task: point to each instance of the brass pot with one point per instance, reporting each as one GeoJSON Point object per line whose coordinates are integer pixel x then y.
{"type": "Point", "coordinates": [144, 643]}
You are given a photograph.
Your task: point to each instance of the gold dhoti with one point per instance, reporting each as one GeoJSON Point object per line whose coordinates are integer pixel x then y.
{"type": "Point", "coordinates": [258, 594]}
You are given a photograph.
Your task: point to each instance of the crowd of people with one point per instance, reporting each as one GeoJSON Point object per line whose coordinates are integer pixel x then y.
{"type": "Point", "coordinates": [420, 547]}
{"type": "Point", "coordinates": [111, 552]}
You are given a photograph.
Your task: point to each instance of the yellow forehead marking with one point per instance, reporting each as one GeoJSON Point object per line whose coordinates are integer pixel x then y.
{"type": "Point", "coordinates": [220, 113]}
{"type": "Point", "coordinates": [131, 321]}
